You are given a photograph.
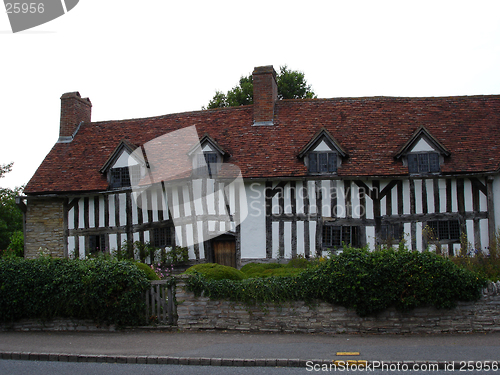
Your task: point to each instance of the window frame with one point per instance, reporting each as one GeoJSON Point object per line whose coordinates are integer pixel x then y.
{"type": "Point", "coordinates": [444, 229]}
{"type": "Point", "coordinates": [97, 243]}
{"type": "Point", "coordinates": [353, 231]}
{"type": "Point", "coordinates": [207, 167]}
{"type": "Point", "coordinates": [388, 230]}
{"type": "Point", "coordinates": [422, 163]}
{"type": "Point", "coordinates": [325, 167]}
{"type": "Point", "coordinates": [162, 237]}
{"type": "Point", "coordinates": [120, 178]}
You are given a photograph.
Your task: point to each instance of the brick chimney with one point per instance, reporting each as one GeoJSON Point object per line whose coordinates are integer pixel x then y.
{"type": "Point", "coordinates": [265, 94]}
{"type": "Point", "coordinates": [74, 111]}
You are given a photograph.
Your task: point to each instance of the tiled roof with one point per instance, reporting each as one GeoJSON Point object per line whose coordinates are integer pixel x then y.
{"type": "Point", "coordinates": [370, 130]}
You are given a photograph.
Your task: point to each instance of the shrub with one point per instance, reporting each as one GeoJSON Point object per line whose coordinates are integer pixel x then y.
{"type": "Point", "coordinates": [214, 271]}
{"type": "Point", "coordinates": [150, 273]}
{"type": "Point", "coordinates": [367, 282]}
{"type": "Point", "coordinates": [107, 291]}
{"type": "Point", "coordinates": [269, 269]}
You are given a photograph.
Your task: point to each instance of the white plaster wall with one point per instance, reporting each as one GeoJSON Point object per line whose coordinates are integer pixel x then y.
{"type": "Point", "coordinates": [406, 197]}
{"type": "Point", "coordinates": [288, 239]}
{"type": "Point", "coordinates": [394, 197]}
{"type": "Point", "coordinates": [311, 186]}
{"type": "Point", "coordinates": [101, 211]}
{"type": "Point", "coordinates": [442, 195]}
{"type": "Point", "coordinates": [312, 238]}
{"type": "Point", "coordinates": [276, 244]}
{"type": "Point", "coordinates": [71, 246]}
{"type": "Point", "coordinates": [369, 206]}
{"type": "Point", "coordinates": [418, 197]}
{"type": "Point", "coordinates": [422, 146]}
{"type": "Point", "coordinates": [81, 214]}
{"type": "Point", "coordinates": [454, 198]}
{"type": "Point", "coordinates": [300, 238]}
{"type": "Point", "coordinates": [123, 209]}
{"type": "Point", "coordinates": [370, 237]}
{"type": "Point", "coordinates": [253, 228]}
{"type": "Point", "coordinates": [71, 215]}
{"type": "Point", "coordinates": [355, 201]}
{"type": "Point", "coordinates": [496, 200]}
{"type": "Point", "coordinates": [82, 247]}
{"type": "Point", "coordinates": [485, 240]}
{"type": "Point", "coordinates": [91, 213]}
{"type": "Point", "coordinates": [113, 242]}
{"type": "Point", "coordinates": [430, 196]}
{"type": "Point", "coordinates": [300, 197]}
{"type": "Point", "coordinates": [468, 195]}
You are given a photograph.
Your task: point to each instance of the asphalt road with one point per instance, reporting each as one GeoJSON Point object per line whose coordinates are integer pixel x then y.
{"type": "Point", "coordinates": [445, 347]}
{"type": "Point", "coordinates": [14, 367]}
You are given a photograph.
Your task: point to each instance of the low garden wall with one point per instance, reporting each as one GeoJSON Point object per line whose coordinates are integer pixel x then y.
{"type": "Point", "coordinates": [201, 313]}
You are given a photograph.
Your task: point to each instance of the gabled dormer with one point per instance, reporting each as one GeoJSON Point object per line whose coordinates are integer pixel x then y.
{"type": "Point", "coordinates": [422, 153]}
{"type": "Point", "coordinates": [322, 154]}
{"type": "Point", "coordinates": [207, 157]}
{"type": "Point", "coordinates": [122, 169]}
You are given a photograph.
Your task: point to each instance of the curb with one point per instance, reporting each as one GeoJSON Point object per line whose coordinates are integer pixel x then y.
{"type": "Point", "coordinates": [316, 364]}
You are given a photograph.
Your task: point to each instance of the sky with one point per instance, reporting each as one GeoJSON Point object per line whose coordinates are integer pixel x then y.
{"type": "Point", "coordinates": [146, 58]}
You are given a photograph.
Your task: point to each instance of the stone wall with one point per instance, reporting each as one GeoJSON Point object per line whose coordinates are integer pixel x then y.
{"type": "Point", "coordinates": [201, 313]}
{"type": "Point", "coordinates": [58, 324]}
{"type": "Point", "coordinates": [44, 227]}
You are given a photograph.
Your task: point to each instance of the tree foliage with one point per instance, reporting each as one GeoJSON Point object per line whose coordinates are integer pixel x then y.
{"type": "Point", "coordinates": [11, 217]}
{"type": "Point", "coordinates": [291, 85]}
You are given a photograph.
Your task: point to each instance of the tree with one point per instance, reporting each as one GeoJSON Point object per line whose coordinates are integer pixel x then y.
{"type": "Point", "coordinates": [11, 217]}
{"type": "Point", "coordinates": [291, 85]}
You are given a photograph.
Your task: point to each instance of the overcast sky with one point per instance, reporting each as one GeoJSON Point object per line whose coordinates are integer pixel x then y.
{"type": "Point", "coordinates": [152, 57]}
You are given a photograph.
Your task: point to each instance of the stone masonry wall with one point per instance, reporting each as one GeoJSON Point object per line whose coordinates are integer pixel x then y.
{"type": "Point", "coordinates": [201, 313]}
{"type": "Point", "coordinates": [44, 227]}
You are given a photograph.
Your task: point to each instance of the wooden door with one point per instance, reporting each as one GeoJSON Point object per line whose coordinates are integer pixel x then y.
{"type": "Point", "coordinates": [225, 253]}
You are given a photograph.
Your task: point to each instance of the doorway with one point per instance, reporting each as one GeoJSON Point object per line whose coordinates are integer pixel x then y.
{"type": "Point", "coordinates": [225, 250]}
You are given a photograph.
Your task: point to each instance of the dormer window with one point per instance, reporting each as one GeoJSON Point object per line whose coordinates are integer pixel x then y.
{"type": "Point", "coordinates": [425, 162]}
{"type": "Point", "coordinates": [207, 157]}
{"type": "Point", "coordinates": [322, 154]}
{"type": "Point", "coordinates": [423, 153]}
{"type": "Point", "coordinates": [122, 169]}
{"type": "Point", "coordinates": [120, 177]}
{"type": "Point", "coordinates": [208, 164]}
{"type": "Point", "coordinates": [322, 162]}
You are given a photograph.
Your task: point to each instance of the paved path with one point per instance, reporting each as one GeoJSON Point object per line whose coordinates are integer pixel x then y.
{"type": "Point", "coordinates": [229, 348]}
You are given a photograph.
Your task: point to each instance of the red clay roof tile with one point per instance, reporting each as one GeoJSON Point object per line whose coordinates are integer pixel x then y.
{"type": "Point", "coordinates": [370, 130]}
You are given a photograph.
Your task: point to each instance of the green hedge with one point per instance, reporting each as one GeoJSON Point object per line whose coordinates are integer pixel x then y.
{"type": "Point", "coordinates": [367, 282]}
{"type": "Point", "coordinates": [107, 291]}
{"type": "Point", "coordinates": [214, 271]}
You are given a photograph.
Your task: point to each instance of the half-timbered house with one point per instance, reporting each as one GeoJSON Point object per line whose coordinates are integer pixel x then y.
{"type": "Point", "coordinates": [305, 176]}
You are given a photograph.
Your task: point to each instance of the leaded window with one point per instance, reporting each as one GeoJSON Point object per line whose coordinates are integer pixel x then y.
{"type": "Point", "coordinates": [423, 162]}
{"type": "Point", "coordinates": [445, 229]}
{"type": "Point", "coordinates": [323, 162]}
{"type": "Point", "coordinates": [162, 237]}
{"type": "Point", "coordinates": [389, 232]}
{"type": "Point", "coordinates": [337, 236]}
{"type": "Point", "coordinates": [208, 164]}
{"type": "Point", "coordinates": [97, 243]}
{"type": "Point", "coordinates": [123, 176]}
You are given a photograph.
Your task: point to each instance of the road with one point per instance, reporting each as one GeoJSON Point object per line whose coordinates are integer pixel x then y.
{"type": "Point", "coordinates": [15, 367]}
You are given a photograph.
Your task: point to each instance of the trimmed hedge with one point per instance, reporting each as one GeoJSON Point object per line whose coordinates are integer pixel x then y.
{"type": "Point", "coordinates": [214, 271]}
{"type": "Point", "coordinates": [150, 273]}
{"type": "Point", "coordinates": [367, 282]}
{"type": "Point", "coordinates": [106, 291]}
